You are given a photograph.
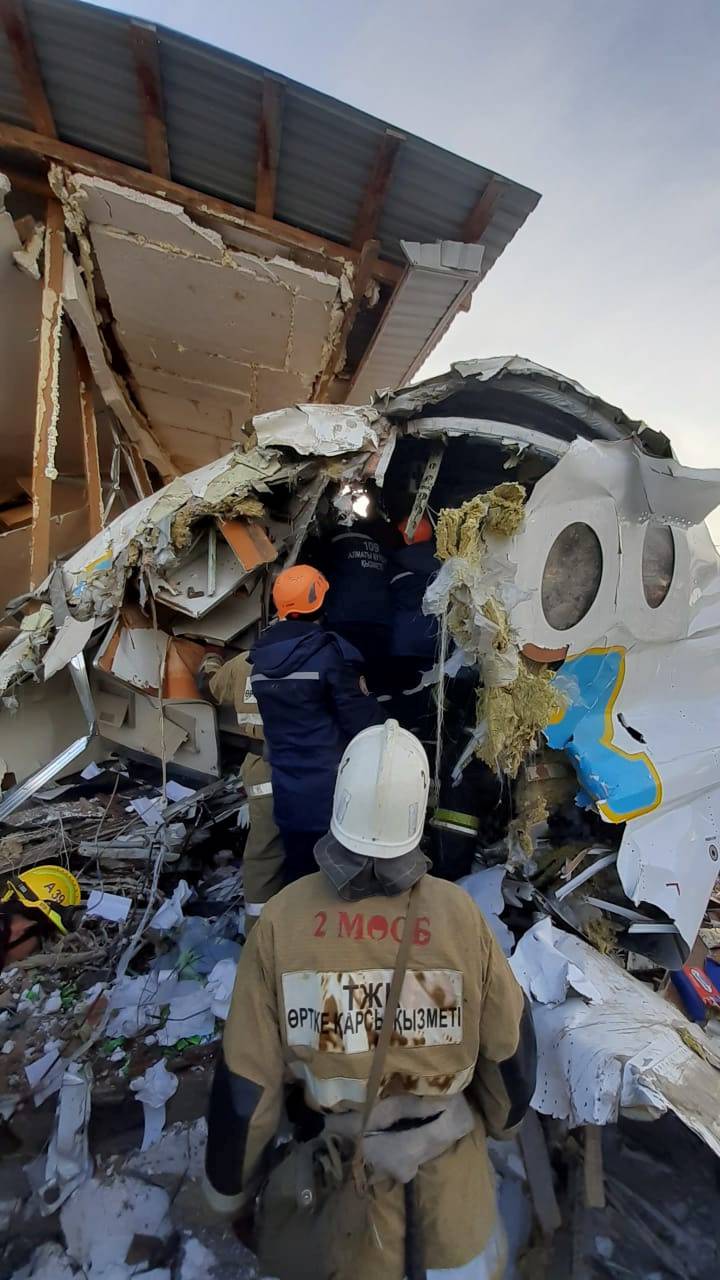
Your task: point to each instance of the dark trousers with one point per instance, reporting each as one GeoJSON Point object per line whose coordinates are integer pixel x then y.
{"type": "Point", "coordinates": [299, 853]}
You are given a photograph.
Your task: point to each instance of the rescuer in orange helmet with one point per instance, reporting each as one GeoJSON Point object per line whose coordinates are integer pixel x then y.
{"type": "Point", "coordinates": [312, 698]}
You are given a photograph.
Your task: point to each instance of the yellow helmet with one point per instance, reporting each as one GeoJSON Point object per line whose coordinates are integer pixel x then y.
{"type": "Point", "coordinates": [48, 889]}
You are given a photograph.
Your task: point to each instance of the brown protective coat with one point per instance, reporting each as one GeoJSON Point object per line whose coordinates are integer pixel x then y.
{"type": "Point", "coordinates": [264, 857]}
{"type": "Point", "coordinates": [307, 929]}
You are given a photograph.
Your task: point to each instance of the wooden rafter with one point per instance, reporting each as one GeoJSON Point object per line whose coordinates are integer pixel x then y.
{"type": "Point", "coordinates": [326, 252]}
{"type": "Point", "coordinates": [482, 212]}
{"type": "Point", "coordinates": [46, 402]}
{"type": "Point", "coordinates": [90, 444]}
{"type": "Point", "coordinates": [27, 68]}
{"type": "Point", "coordinates": [146, 53]}
{"type": "Point", "coordinates": [364, 273]}
{"type": "Point", "coordinates": [269, 133]}
{"type": "Point", "coordinates": [368, 217]}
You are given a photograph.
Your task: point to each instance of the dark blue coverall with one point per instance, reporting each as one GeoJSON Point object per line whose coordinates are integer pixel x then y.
{"type": "Point", "coordinates": [307, 682]}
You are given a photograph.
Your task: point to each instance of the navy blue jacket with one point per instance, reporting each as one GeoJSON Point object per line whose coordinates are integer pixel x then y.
{"type": "Point", "coordinates": [307, 684]}
{"type": "Point", "coordinates": [413, 634]}
{"type": "Point", "coordinates": [357, 569]}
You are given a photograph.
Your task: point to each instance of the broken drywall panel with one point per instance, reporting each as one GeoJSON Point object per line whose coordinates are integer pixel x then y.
{"type": "Point", "coordinates": [187, 415]}
{"type": "Point", "coordinates": [198, 303]}
{"type": "Point", "coordinates": [165, 223]}
{"type": "Point", "coordinates": [314, 329]}
{"type": "Point", "coordinates": [173, 358]}
{"type": "Point", "coordinates": [275, 389]}
{"type": "Point", "coordinates": [190, 449]}
{"type": "Point", "coordinates": [227, 620]}
{"type": "Point", "coordinates": [204, 393]}
{"type": "Point", "coordinates": [316, 286]}
{"type": "Point", "coordinates": [625, 1051]}
{"type": "Point", "coordinates": [79, 308]}
{"type": "Point", "coordinates": [319, 429]}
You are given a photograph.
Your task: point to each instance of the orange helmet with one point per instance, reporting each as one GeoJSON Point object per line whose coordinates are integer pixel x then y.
{"type": "Point", "coordinates": [301, 589]}
{"type": "Point", "coordinates": [423, 533]}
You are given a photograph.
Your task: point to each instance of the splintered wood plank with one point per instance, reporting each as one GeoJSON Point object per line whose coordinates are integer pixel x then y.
{"type": "Point", "coordinates": [539, 1174]}
{"type": "Point", "coordinates": [594, 1178]}
{"type": "Point", "coordinates": [47, 403]}
{"type": "Point", "coordinates": [269, 134]}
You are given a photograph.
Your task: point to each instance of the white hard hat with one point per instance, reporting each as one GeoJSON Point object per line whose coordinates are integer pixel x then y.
{"type": "Point", "coordinates": [381, 792]}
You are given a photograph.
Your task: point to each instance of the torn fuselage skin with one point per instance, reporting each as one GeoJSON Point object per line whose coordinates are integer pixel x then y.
{"type": "Point", "coordinates": [597, 578]}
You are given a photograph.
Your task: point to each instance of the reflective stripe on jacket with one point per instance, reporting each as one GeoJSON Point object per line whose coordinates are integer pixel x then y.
{"type": "Point", "coordinates": [312, 983]}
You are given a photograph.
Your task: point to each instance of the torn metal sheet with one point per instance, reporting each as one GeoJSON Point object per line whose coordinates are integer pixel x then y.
{"type": "Point", "coordinates": [517, 375]}
{"type": "Point", "coordinates": [69, 641]}
{"type": "Point", "coordinates": [621, 1049]}
{"type": "Point", "coordinates": [319, 429]}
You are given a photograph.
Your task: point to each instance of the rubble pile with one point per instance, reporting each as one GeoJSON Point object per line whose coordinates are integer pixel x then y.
{"type": "Point", "coordinates": [565, 718]}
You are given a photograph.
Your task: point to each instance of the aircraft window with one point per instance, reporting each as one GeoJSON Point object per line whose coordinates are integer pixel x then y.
{"type": "Point", "coordinates": [572, 575]}
{"type": "Point", "coordinates": [658, 563]}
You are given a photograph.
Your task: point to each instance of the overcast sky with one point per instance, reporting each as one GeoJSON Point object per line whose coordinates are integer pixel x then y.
{"type": "Point", "coordinates": [609, 108]}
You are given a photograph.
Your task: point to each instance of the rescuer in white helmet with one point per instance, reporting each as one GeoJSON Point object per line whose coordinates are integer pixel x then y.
{"type": "Point", "coordinates": [382, 993]}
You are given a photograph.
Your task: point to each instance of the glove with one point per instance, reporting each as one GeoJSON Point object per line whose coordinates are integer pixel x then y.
{"type": "Point", "coordinates": [210, 664]}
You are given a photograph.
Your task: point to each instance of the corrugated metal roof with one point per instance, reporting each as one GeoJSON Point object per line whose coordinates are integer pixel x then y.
{"type": "Point", "coordinates": [12, 106]}
{"type": "Point", "coordinates": [212, 108]}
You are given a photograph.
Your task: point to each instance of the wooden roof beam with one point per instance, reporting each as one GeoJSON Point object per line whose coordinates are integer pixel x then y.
{"type": "Point", "coordinates": [27, 69]}
{"type": "Point", "coordinates": [269, 134]}
{"type": "Point", "coordinates": [146, 54]}
{"type": "Point", "coordinates": [483, 211]}
{"type": "Point", "coordinates": [327, 252]}
{"type": "Point", "coordinates": [371, 206]}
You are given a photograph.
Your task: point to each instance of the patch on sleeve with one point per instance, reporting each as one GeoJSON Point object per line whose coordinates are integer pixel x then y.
{"type": "Point", "coordinates": [343, 1012]}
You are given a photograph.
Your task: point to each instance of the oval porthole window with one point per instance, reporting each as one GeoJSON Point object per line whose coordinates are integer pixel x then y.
{"type": "Point", "coordinates": [658, 563]}
{"type": "Point", "coordinates": [571, 577]}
